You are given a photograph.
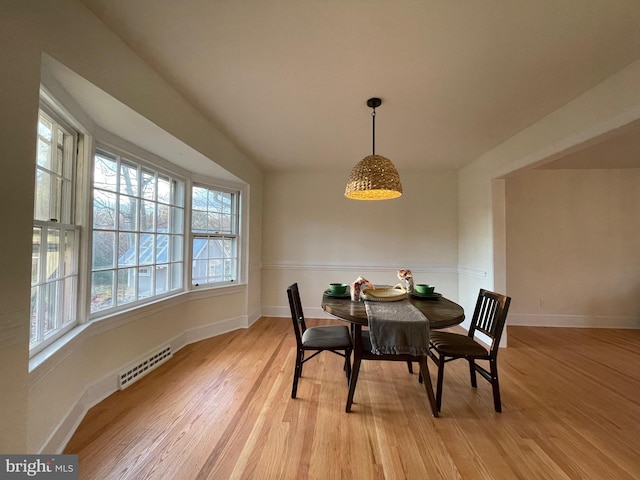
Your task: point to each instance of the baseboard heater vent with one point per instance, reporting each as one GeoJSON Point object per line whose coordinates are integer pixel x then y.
{"type": "Point", "coordinates": [140, 369]}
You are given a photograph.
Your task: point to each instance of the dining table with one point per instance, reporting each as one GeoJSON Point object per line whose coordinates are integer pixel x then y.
{"type": "Point", "coordinates": [439, 311]}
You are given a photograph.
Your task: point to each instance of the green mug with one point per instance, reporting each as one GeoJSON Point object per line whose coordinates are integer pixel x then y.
{"type": "Point", "coordinates": [424, 289]}
{"type": "Point", "coordinates": [338, 288]}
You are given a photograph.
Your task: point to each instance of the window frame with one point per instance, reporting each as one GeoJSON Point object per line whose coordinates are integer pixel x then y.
{"type": "Point", "coordinates": [69, 222]}
{"type": "Point", "coordinates": [238, 195]}
{"type": "Point", "coordinates": [145, 162]}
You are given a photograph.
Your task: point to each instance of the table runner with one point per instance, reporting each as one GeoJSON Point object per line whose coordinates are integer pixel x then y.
{"type": "Point", "coordinates": [397, 328]}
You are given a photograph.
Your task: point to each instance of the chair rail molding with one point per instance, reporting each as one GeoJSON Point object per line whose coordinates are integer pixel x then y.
{"type": "Point", "coordinates": [471, 272]}
{"type": "Point", "coordinates": [445, 269]}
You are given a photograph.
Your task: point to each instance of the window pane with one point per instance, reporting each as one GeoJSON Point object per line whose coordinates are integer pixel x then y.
{"type": "Point", "coordinates": [42, 196]}
{"type": "Point", "coordinates": [69, 258]}
{"type": "Point", "coordinates": [176, 276]}
{"type": "Point", "coordinates": [35, 255]}
{"type": "Point", "coordinates": [101, 290]}
{"type": "Point", "coordinates": [128, 218]}
{"type": "Point", "coordinates": [147, 216]}
{"type": "Point", "coordinates": [51, 306]}
{"type": "Point", "coordinates": [129, 179]}
{"type": "Point", "coordinates": [127, 285]}
{"type": "Point", "coordinates": [176, 248]}
{"type": "Point", "coordinates": [148, 185]}
{"type": "Point", "coordinates": [199, 273]}
{"type": "Point", "coordinates": [147, 245]}
{"type": "Point", "coordinates": [127, 253]}
{"type": "Point", "coordinates": [177, 220]}
{"type": "Point", "coordinates": [44, 151]}
{"type": "Point", "coordinates": [164, 189]}
{"type": "Point", "coordinates": [105, 173]}
{"type": "Point", "coordinates": [178, 193]}
{"type": "Point", "coordinates": [53, 255]}
{"type": "Point", "coordinates": [163, 218]}
{"type": "Point", "coordinates": [104, 244]}
{"type": "Point", "coordinates": [214, 225]}
{"type": "Point", "coordinates": [145, 284]}
{"type": "Point", "coordinates": [199, 198]}
{"type": "Point", "coordinates": [162, 279]}
{"type": "Point", "coordinates": [35, 315]}
{"type": "Point", "coordinates": [69, 299]}
{"type": "Point", "coordinates": [230, 269]}
{"type": "Point", "coordinates": [199, 221]}
{"type": "Point", "coordinates": [104, 209]}
{"type": "Point", "coordinates": [55, 209]}
{"type": "Point", "coordinates": [58, 161]}
{"type": "Point", "coordinates": [162, 249]}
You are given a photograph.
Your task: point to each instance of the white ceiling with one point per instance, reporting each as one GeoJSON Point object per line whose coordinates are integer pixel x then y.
{"type": "Point", "coordinates": [288, 80]}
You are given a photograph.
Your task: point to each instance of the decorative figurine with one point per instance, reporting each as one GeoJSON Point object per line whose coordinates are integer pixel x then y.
{"type": "Point", "coordinates": [406, 277]}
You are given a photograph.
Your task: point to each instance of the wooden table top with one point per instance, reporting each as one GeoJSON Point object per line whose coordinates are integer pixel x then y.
{"type": "Point", "coordinates": [440, 312]}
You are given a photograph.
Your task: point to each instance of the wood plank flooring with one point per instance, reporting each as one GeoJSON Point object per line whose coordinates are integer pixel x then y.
{"type": "Point", "coordinates": [221, 409]}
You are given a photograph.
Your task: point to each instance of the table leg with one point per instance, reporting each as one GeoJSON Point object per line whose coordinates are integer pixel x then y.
{"type": "Point", "coordinates": [355, 368]}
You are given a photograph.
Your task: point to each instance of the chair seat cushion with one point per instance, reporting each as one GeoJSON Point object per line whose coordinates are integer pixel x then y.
{"type": "Point", "coordinates": [330, 336]}
{"type": "Point", "coordinates": [453, 344]}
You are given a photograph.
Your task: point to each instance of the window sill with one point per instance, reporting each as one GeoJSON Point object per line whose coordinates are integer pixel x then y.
{"type": "Point", "coordinates": [42, 362]}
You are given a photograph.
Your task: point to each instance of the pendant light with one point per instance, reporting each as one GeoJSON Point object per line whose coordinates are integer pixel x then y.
{"type": "Point", "coordinates": [374, 177]}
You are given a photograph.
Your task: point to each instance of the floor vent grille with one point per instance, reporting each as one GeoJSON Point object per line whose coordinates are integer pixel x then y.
{"type": "Point", "coordinates": [139, 370]}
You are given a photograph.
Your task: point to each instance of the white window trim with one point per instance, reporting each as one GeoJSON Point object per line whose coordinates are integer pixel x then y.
{"type": "Point", "coordinates": [243, 229]}
{"type": "Point", "coordinates": [94, 137]}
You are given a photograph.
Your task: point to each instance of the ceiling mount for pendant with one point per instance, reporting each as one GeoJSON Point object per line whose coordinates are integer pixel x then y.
{"type": "Point", "coordinates": [374, 102]}
{"type": "Point", "coordinates": [374, 177]}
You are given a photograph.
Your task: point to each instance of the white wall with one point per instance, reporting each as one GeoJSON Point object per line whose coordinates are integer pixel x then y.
{"type": "Point", "coordinates": [573, 247]}
{"type": "Point", "coordinates": [610, 105]}
{"type": "Point", "coordinates": [314, 235]}
{"type": "Point", "coordinates": [38, 408]}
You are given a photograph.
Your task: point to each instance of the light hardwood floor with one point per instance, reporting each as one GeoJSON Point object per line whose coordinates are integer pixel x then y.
{"type": "Point", "coordinates": [221, 409]}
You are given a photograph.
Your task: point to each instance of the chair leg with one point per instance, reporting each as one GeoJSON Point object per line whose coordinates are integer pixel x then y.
{"type": "Point", "coordinates": [352, 382]}
{"type": "Point", "coordinates": [297, 373]}
{"type": "Point", "coordinates": [472, 372]}
{"type": "Point", "coordinates": [348, 364]}
{"type": "Point", "coordinates": [301, 363]}
{"type": "Point", "coordinates": [440, 363]}
{"type": "Point", "coordinates": [410, 367]}
{"type": "Point", "coordinates": [424, 371]}
{"type": "Point", "coordinates": [497, 404]}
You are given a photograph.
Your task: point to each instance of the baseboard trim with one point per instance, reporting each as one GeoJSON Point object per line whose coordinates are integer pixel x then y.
{"type": "Point", "coordinates": [574, 321]}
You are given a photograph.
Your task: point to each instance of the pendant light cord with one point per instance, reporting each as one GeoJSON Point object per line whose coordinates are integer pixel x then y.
{"type": "Point", "coordinates": [373, 117]}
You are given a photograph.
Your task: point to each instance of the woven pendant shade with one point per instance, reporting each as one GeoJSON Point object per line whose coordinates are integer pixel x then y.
{"type": "Point", "coordinates": [373, 178]}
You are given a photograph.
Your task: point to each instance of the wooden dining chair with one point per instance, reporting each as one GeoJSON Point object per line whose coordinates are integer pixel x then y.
{"type": "Point", "coordinates": [332, 338]}
{"type": "Point", "coordinates": [363, 350]}
{"type": "Point", "coordinates": [489, 318]}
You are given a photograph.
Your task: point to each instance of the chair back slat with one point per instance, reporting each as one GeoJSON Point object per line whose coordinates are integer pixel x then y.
{"type": "Point", "coordinates": [490, 316]}
{"type": "Point", "coordinates": [297, 314]}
